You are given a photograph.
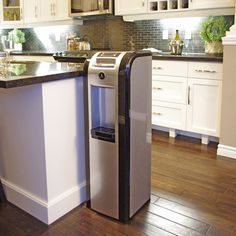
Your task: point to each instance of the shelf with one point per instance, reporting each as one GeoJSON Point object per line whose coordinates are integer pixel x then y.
{"type": "Point", "coordinates": [11, 3]}
{"type": "Point", "coordinates": [155, 6]}
{"type": "Point", "coordinates": [12, 7]}
{"type": "Point", "coordinates": [11, 14]}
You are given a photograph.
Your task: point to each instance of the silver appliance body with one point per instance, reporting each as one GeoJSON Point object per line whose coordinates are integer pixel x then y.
{"type": "Point", "coordinates": [90, 7]}
{"type": "Point", "coordinates": [119, 122]}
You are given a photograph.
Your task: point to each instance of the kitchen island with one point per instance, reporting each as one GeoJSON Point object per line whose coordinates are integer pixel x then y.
{"type": "Point", "coordinates": [42, 153]}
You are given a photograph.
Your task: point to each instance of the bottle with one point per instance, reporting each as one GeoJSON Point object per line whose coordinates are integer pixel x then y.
{"type": "Point", "coordinates": [70, 42]}
{"type": "Point", "coordinates": [177, 38]}
{"type": "Point", "coordinates": [176, 45]}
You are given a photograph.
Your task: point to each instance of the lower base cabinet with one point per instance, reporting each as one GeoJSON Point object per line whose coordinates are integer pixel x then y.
{"type": "Point", "coordinates": [199, 109]}
{"type": "Point", "coordinates": [203, 110]}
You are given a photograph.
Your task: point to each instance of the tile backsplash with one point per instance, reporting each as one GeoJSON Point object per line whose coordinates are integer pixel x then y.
{"type": "Point", "coordinates": [115, 34]}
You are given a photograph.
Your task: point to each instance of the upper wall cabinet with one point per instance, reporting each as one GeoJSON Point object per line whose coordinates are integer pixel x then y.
{"type": "Point", "coordinates": [45, 10]}
{"type": "Point", "coordinates": [11, 11]}
{"type": "Point", "coordinates": [62, 10]}
{"type": "Point", "coordinates": [54, 10]}
{"type": "Point", "coordinates": [32, 11]}
{"type": "Point", "coordinates": [203, 4]}
{"type": "Point", "coordinates": [139, 9]}
{"type": "Point", "coordinates": [124, 7]}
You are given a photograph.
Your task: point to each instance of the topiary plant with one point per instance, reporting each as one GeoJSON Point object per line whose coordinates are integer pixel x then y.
{"type": "Point", "coordinates": [17, 36]}
{"type": "Point", "coordinates": [214, 28]}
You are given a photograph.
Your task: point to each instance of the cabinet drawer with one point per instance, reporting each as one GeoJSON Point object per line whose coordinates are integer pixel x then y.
{"type": "Point", "coordinates": [173, 68]}
{"type": "Point", "coordinates": [169, 89]}
{"type": "Point", "coordinates": [205, 70]}
{"type": "Point", "coordinates": [169, 115]}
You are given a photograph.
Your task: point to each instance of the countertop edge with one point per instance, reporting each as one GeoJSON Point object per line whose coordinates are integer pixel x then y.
{"type": "Point", "coordinates": [40, 79]}
{"type": "Point", "coordinates": [188, 58]}
{"type": "Point", "coordinates": [28, 53]}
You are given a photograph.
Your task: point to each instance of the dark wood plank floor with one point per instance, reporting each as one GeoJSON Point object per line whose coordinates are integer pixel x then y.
{"type": "Point", "coordinates": [193, 193]}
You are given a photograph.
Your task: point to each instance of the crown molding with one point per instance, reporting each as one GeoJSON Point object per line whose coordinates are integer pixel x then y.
{"type": "Point", "coordinates": [230, 38]}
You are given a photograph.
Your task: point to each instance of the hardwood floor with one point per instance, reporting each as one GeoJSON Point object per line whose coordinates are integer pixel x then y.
{"type": "Point", "coordinates": [193, 193]}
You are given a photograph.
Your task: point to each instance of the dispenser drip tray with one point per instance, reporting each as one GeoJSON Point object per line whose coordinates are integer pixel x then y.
{"type": "Point", "coordinates": [103, 133]}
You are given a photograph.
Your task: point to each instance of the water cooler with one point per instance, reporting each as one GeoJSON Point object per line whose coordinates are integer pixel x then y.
{"type": "Point", "coordinates": [119, 122]}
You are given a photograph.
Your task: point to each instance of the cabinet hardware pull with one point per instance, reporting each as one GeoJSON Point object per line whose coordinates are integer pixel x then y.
{"type": "Point", "coordinates": [156, 88]}
{"type": "Point", "coordinates": [35, 12]}
{"type": "Point", "coordinates": [54, 9]}
{"type": "Point", "coordinates": [206, 71]}
{"type": "Point", "coordinates": [189, 90]}
{"type": "Point", "coordinates": [143, 3]}
{"type": "Point", "coordinates": [51, 9]}
{"type": "Point", "coordinates": [157, 68]}
{"type": "Point", "coordinates": [21, 14]}
{"type": "Point", "coordinates": [157, 113]}
{"type": "Point", "coordinates": [100, 5]}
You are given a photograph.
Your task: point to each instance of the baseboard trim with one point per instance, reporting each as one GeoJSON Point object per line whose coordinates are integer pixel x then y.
{"type": "Point", "coordinates": [226, 151]}
{"type": "Point", "coordinates": [50, 211]}
{"type": "Point", "coordinates": [185, 133]}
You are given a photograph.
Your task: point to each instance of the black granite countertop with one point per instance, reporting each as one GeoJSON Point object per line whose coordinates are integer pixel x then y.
{"type": "Point", "coordinates": [32, 53]}
{"type": "Point", "coordinates": [189, 57]}
{"type": "Point", "coordinates": [27, 73]}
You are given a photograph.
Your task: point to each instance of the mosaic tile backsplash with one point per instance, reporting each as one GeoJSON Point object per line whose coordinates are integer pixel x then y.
{"type": "Point", "coordinates": [115, 34]}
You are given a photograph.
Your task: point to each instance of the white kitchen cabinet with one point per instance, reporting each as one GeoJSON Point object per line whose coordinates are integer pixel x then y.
{"type": "Point", "coordinates": [203, 109]}
{"type": "Point", "coordinates": [203, 4]}
{"type": "Point", "coordinates": [45, 10]}
{"type": "Point", "coordinates": [32, 11]}
{"type": "Point", "coordinates": [169, 89]}
{"type": "Point", "coordinates": [169, 93]}
{"type": "Point", "coordinates": [124, 7]}
{"type": "Point", "coordinates": [54, 10]}
{"type": "Point", "coordinates": [187, 96]}
{"type": "Point", "coordinates": [169, 115]}
{"type": "Point", "coordinates": [62, 10]}
{"type": "Point", "coordinates": [49, 10]}
{"type": "Point", "coordinates": [204, 97]}
{"type": "Point", "coordinates": [11, 11]}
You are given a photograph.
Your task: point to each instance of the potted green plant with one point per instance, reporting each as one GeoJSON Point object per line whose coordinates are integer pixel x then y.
{"type": "Point", "coordinates": [212, 30]}
{"type": "Point", "coordinates": [17, 37]}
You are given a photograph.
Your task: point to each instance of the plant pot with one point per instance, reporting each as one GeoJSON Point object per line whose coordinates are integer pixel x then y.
{"type": "Point", "coordinates": [18, 46]}
{"type": "Point", "coordinates": [213, 47]}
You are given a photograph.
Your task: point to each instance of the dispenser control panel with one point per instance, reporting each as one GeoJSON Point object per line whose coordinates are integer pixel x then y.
{"type": "Point", "coordinates": [106, 59]}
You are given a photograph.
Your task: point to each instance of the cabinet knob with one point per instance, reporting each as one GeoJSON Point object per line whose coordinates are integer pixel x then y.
{"type": "Point", "coordinates": [157, 113]}
{"type": "Point", "coordinates": [157, 68]}
{"type": "Point", "coordinates": [157, 88]}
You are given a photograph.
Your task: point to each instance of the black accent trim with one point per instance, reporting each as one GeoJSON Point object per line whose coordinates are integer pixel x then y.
{"type": "Point", "coordinates": [124, 140]}
{"type": "Point", "coordinates": [2, 195]}
{"type": "Point", "coordinates": [86, 127]}
{"type": "Point", "coordinates": [124, 131]}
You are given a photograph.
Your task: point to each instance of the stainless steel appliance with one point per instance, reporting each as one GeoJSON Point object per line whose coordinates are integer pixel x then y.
{"type": "Point", "coordinates": [119, 122]}
{"type": "Point", "coordinates": [90, 7]}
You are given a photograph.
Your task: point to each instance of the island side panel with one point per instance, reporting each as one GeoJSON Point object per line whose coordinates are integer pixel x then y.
{"type": "Point", "coordinates": [63, 109]}
{"type": "Point", "coordinates": [22, 156]}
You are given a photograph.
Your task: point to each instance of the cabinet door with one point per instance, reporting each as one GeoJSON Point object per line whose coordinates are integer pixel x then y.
{"type": "Point", "coordinates": [31, 11]}
{"type": "Point", "coordinates": [169, 89]}
{"type": "Point", "coordinates": [62, 10]}
{"type": "Point", "coordinates": [203, 4]}
{"type": "Point", "coordinates": [124, 7]}
{"type": "Point", "coordinates": [48, 8]}
{"type": "Point", "coordinates": [169, 115]}
{"type": "Point", "coordinates": [11, 11]}
{"type": "Point", "coordinates": [203, 109]}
